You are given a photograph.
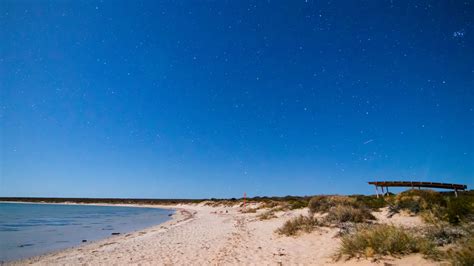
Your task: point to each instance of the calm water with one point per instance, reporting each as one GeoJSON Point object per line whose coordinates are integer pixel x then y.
{"type": "Point", "coordinates": [32, 229]}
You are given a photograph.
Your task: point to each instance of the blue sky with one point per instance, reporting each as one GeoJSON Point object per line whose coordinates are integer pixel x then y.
{"type": "Point", "coordinates": [191, 99]}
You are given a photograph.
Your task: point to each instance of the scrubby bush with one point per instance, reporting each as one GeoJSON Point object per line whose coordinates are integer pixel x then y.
{"type": "Point", "coordinates": [340, 209]}
{"type": "Point", "coordinates": [297, 204]}
{"type": "Point", "coordinates": [267, 215]}
{"type": "Point", "coordinates": [463, 254]}
{"type": "Point", "coordinates": [343, 213]}
{"type": "Point", "coordinates": [371, 202]}
{"type": "Point", "coordinates": [220, 202]}
{"type": "Point", "coordinates": [270, 204]}
{"type": "Point", "coordinates": [459, 209]}
{"type": "Point", "coordinates": [416, 201]}
{"type": "Point", "coordinates": [443, 233]}
{"type": "Point", "coordinates": [435, 206]}
{"type": "Point", "coordinates": [320, 204]}
{"type": "Point", "coordinates": [346, 228]}
{"type": "Point", "coordinates": [249, 210]}
{"type": "Point", "coordinates": [380, 240]}
{"type": "Point", "coordinates": [297, 224]}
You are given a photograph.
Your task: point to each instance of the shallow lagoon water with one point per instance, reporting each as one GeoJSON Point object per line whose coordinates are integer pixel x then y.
{"type": "Point", "coordinates": [28, 230]}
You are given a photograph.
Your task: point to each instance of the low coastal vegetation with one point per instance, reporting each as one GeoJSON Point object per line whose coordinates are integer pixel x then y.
{"type": "Point", "coordinates": [435, 206]}
{"type": "Point", "coordinates": [281, 203]}
{"type": "Point", "coordinates": [443, 233]}
{"type": "Point", "coordinates": [342, 214]}
{"type": "Point", "coordinates": [102, 200]}
{"type": "Point", "coordinates": [381, 239]}
{"type": "Point", "coordinates": [462, 254]}
{"type": "Point", "coordinates": [249, 210]}
{"type": "Point", "coordinates": [337, 212]}
{"type": "Point", "coordinates": [298, 224]}
{"type": "Point", "coordinates": [321, 204]}
{"type": "Point", "coordinates": [267, 215]}
{"type": "Point", "coordinates": [448, 233]}
{"type": "Point", "coordinates": [340, 209]}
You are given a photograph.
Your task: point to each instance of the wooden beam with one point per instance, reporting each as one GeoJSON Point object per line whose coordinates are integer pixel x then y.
{"type": "Point", "coordinates": [419, 185]}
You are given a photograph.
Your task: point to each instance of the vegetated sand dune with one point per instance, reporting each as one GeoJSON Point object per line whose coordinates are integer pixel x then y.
{"type": "Point", "coordinates": [203, 235]}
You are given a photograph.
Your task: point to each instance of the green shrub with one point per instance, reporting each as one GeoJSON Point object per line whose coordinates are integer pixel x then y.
{"type": "Point", "coordinates": [297, 204]}
{"type": "Point", "coordinates": [380, 240]}
{"type": "Point", "coordinates": [342, 214]}
{"type": "Point", "coordinates": [297, 224]}
{"type": "Point", "coordinates": [371, 202]}
{"type": "Point", "coordinates": [458, 209]}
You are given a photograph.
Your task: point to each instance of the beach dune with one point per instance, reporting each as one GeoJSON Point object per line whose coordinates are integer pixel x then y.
{"type": "Point", "coordinates": [204, 235]}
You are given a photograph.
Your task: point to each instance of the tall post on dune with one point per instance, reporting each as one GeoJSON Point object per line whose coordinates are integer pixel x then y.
{"type": "Point", "coordinates": [245, 198]}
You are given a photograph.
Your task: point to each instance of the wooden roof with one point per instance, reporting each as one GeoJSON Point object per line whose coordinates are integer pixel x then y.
{"type": "Point", "coordinates": [417, 184]}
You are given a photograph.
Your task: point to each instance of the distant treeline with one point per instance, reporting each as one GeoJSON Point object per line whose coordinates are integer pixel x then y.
{"type": "Point", "coordinates": [145, 201]}
{"type": "Point", "coordinates": [302, 199]}
{"type": "Point", "coordinates": [101, 200]}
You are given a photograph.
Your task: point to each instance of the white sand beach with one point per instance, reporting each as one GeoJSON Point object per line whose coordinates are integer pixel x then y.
{"type": "Point", "coordinates": [204, 235]}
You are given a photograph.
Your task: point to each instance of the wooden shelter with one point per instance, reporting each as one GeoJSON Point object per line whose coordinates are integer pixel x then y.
{"type": "Point", "coordinates": [415, 184]}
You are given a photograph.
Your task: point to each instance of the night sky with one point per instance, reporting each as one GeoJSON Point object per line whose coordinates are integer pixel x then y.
{"type": "Point", "coordinates": [190, 99]}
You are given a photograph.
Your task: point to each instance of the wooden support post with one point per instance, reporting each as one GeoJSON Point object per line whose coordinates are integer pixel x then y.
{"type": "Point", "coordinates": [387, 189]}
{"type": "Point", "coordinates": [377, 191]}
{"type": "Point", "coordinates": [456, 192]}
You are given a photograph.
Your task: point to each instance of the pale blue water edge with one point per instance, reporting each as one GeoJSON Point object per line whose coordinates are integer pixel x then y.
{"type": "Point", "coordinates": [28, 230]}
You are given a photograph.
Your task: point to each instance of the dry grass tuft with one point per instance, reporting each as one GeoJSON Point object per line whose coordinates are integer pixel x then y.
{"type": "Point", "coordinates": [463, 254]}
{"type": "Point", "coordinates": [443, 233]}
{"type": "Point", "coordinates": [340, 209]}
{"type": "Point", "coordinates": [267, 215]}
{"type": "Point", "coordinates": [342, 214]}
{"type": "Point", "coordinates": [297, 224]}
{"type": "Point", "coordinates": [249, 210]}
{"type": "Point", "coordinates": [321, 204]}
{"type": "Point", "coordinates": [380, 240]}
{"type": "Point", "coordinates": [435, 206]}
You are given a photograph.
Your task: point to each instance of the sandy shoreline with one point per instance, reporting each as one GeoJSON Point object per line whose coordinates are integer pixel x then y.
{"type": "Point", "coordinates": [203, 235]}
